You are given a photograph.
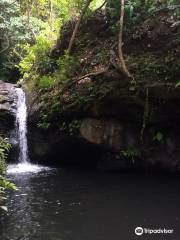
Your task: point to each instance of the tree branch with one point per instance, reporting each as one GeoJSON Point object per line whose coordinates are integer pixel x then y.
{"type": "Point", "coordinates": [93, 74]}
{"type": "Point", "coordinates": [99, 8]}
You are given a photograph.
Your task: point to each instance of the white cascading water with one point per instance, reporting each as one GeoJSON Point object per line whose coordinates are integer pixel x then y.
{"type": "Point", "coordinates": [21, 123]}
{"type": "Point", "coordinates": [24, 164]}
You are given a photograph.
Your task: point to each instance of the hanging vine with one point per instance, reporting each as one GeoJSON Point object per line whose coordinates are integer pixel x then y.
{"type": "Point", "coordinates": [145, 115]}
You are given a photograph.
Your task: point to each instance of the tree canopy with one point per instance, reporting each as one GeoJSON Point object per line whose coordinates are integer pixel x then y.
{"type": "Point", "coordinates": [26, 25]}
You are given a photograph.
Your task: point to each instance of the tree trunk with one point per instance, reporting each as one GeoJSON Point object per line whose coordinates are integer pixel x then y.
{"type": "Point", "coordinates": [7, 45]}
{"type": "Point", "coordinates": [122, 64]}
{"type": "Point", "coordinates": [77, 25]}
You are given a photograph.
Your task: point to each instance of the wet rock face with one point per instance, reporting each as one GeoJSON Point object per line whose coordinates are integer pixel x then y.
{"type": "Point", "coordinates": [7, 96]}
{"type": "Point", "coordinates": [8, 103]}
{"type": "Point", "coordinates": [111, 134]}
{"type": "Point", "coordinates": [123, 147]}
{"type": "Point", "coordinates": [7, 107]}
{"type": "Point", "coordinates": [54, 148]}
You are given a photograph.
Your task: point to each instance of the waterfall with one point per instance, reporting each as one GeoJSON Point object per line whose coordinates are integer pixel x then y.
{"type": "Point", "coordinates": [24, 165]}
{"type": "Point", "coordinates": [21, 124]}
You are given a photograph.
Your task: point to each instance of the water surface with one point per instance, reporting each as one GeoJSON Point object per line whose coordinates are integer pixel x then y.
{"type": "Point", "coordinates": [72, 204]}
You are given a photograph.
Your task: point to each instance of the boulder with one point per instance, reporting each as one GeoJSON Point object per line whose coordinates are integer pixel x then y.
{"type": "Point", "coordinates": [111, 134]}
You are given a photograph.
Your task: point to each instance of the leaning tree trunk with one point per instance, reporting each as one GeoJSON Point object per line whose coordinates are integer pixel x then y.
{"type": "Point", "coordinates": [122, 64]}
{"type": "Point", "coordinates": [7, 45]}
{"type": "Point", "coordinates": [77, 25]}
{"type": "Point", "coordinates": [6, 40]}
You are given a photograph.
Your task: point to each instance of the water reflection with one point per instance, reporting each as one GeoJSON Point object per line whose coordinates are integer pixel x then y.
{"type": "Point", "coordinates": [22, 220]}
{"type": "Point", "coordinates": [82, 205]}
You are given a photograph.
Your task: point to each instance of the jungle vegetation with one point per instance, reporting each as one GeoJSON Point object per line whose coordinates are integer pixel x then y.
{"type": "Point", "coordinates": [30, 32]}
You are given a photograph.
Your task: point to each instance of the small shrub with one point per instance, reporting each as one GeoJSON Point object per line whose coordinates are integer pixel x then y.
{"type": "Point", "coordinates": [158, 137]}
{"type": "Point", "coordinates": [44, 122]}
{"type": "Point", "coordinates": [66, 67]}
{"type": "Point", "coordinates": [131, 153]}
{"type": "Point", "coordinates": [4, 148]}
{"type": "Point", "coordinates": [46, 81]}
{"type": "Point", "coordinates": [71, 128]}
{"type": "Point", "coordinates": [4, 184]}
{"type": "Point", "coordinates": [36, 55]}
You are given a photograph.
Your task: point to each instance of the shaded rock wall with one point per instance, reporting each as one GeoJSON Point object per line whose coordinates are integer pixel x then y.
{"type": "Point", "coordinates": [124, 148]}
{"type": "Point", "coordinates": [133, 125]}
{"type": "Point", "coordinates": [112, 134]}
{"type": "Point", "coordinates": [8, 100]}
{"type": "Point", "coordinates": [7, 107]}
{"type": "Point", "coordinates": [58, 149]}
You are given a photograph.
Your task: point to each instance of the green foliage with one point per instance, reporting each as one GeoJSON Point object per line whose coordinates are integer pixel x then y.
{"type": "Point", "coordinates": [131, 153]}
{"type": "Point", "coordinates": [46, 81]}
{"type": "Point", "coordinates": [4, 148]}
{"type": "Point", "coordinates": [43, 70]}
{"type": "Point", "coordinates": [158, 137]}
{"type": "Point", "coordinates": [166, 67]}
{"type": "Point", "coordinates": [71, 128]}
{"type": "Point", "coordinates": [70, 9]}
{"type": "Point", "coordinates": [37, 62]}
{"type": "Point", "coordinates": [4, 184]}
{"type": "Point", "coordinates": [66, 67]}
{"type": "Point", "coordinates": [178, 84]}
{"type": "Point", "coordinates": [16, 30]}
{"type": "Point", "coordinates": [25, 24]}
{"type": "Point", "coordinates": [133, 8]}
{"type": "Point", "coordinates": [44, 122]}
{"type": "Point", "coordinates": [36, 56]}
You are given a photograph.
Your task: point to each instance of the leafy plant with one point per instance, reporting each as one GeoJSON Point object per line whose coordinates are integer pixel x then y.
{"type": "Point", "coordinates": [71, 128]}
{"type": "Point", "coordinates": [44, 122]}
{"type": "Point", "coordinates": [36, 56]}
{"type": "Point", "coordinates": [17, 29]}
{"type": "Point", "coordinates": [4, 148]}
{"type": "Point", "coordinates": [158, 137]}
{"type": "Point", "coordinates": [131, 153]}
{"type": "Point", "coordinates": [178, 84]}
{"type": "Point", "coordinates": [66, 67]}
{"type": "Point", "coordinates": [46, 81]}
{"type": "Point", "coordinates": [4, 184]}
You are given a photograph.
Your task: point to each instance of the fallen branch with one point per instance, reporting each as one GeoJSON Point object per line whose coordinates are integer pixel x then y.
{"type": "Point", "coordinates": [93, 74]}
{"type": "Point", "coordinates": [75, 80]}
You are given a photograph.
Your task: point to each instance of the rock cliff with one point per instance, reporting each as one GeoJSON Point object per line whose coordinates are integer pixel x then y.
{"type": "Point", "coordinates": [7, 106]}
{"type": "Point", "coordinates": [131, 124]}
{"type": "Point", "coordinates": [8, 100]}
